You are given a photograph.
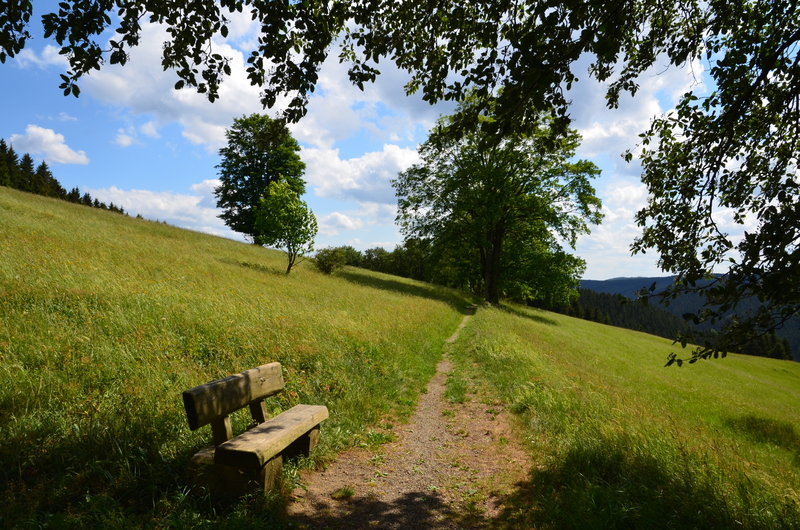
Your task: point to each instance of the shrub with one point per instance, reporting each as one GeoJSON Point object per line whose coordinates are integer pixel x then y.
{"type": "Point", "coordinates": [328, 260]}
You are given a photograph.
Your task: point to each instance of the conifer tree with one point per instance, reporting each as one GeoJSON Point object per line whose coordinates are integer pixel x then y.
{"type": "Point", "coordinates": [25, 174]}
{"type": "Point", "coordinates": [5, 175]}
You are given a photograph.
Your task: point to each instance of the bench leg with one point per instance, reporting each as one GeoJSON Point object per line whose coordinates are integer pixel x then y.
{"type": "Point", "coordinates": [304, 444]}
{"type": "Point", "coordinates": [229, 481]}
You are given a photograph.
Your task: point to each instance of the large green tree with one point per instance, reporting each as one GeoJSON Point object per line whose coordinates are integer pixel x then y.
{"type": "Point", "coordinates": [260, 150]}
{"type": "Point", "coordinates": [284, 221]}
{"type": "Point", "coordinates": [501, 202]}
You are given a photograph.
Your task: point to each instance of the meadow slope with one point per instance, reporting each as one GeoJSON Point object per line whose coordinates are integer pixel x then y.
{"type": "Point", "coordinates": [620, 441]}
{"type": "Point", "coordinates": [105, 320]}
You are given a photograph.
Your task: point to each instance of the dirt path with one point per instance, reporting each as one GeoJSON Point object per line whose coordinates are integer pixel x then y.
{"type": "Point", "coordinates": [450, 466]}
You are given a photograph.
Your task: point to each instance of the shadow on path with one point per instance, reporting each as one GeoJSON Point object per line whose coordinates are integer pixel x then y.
{"type": "Point", "coordinates": [413, 510]}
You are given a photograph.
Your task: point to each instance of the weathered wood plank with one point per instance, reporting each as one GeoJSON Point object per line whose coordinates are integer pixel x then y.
{"type": "Point", "coordinates": [258, 411]}
{"type": "Point", "coordinates": [227, 481]}
{"type": "Point", "coordinates": [221, 430]}
{"type": "Point", "coordinates": [254, 448]}
{"type": "Point", "coordinates": [217, 399]}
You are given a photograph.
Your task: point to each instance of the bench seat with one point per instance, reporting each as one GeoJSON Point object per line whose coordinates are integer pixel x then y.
{"type": "Point", "coordinates": [257, 446]}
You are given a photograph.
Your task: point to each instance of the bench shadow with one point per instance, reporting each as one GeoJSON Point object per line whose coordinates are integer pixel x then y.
{"type": "Point", "coordinates": [423, 290]}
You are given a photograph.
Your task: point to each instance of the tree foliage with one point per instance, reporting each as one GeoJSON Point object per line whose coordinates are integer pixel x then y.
{"type": "Point", "coordinates": [283, 221]}
{"type": "Point", "coordinates": [732, 155]}
{"type": "Point", "coordinates": [328, 260]}
{"type": "Point", "coordinates": [260, 151]}
{"type": "Point", "coordinates": [501, 204]}
{"type": "Point", "coordinates": [525, 47]}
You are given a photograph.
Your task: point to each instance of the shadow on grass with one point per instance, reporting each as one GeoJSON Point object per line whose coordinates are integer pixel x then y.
{"type": "Point", "coordinates": [529, 314]}
{"type": "Point", "coordinates": [83, 479]}
{"type": "Point", "coordinates": [261, 268]}
{"type": "Point", "coordinates": [452, 297]}
{"type": "Point", "coordinates": [102, 480]}
{"type": "Point", "coordinates": [601, 485]}
{"type": "Point", "coordinates": [768, 431]}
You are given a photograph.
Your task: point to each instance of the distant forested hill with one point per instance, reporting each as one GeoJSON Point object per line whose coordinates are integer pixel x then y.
{"type": "Point", "coordinates": [607, 308]}
{"type": "Point", "coordinates": [628, 288]}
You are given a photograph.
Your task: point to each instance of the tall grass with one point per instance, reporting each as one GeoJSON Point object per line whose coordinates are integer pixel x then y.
{"type": "Point", "coordinates": [619, 441]}
{"type": "Point", "coordinates": [105, 320]}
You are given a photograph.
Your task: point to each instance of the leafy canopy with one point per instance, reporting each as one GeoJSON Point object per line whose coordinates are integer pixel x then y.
{"type": "Point", "coordinates": [500, 205]}
{"type": "Point", "coordinates": [731, 158]}
{"type": "Point", "coordinates": [260, 151]}
{"type": "Point", "coordinates": [283, 221]}
{"type": "Point", "coordinates": [526, 47]}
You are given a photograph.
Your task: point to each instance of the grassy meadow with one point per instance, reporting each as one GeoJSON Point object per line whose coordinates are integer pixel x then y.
{"type": "Point", "coordinates": [105, 320]}
{"type": "Point", "coordinates": [622, 442]}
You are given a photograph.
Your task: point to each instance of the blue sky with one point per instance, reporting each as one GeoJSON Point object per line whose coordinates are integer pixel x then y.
{"type": "Point", "coordinates": [133, 140]}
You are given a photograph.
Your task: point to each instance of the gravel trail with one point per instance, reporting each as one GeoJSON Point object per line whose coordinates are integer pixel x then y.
{"type": "Point", "coordinates": [450, 466]}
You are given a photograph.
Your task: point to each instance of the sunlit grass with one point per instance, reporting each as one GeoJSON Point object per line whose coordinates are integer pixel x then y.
{"type": "Point", "coordinates": [105, 320]}
{"type": "Point", "coordinates": [619, 441]}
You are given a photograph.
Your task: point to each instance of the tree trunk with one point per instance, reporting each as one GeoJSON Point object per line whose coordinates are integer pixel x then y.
{"type": "Point", "coordinates": [292, 257]}
{"type": "Point", "coordinates": [491, 266]}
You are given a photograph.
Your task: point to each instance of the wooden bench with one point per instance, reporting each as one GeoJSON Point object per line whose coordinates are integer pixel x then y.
{"type": "Point", "coordinates": [252, 460]}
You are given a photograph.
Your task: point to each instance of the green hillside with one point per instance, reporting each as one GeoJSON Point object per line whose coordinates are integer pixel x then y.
{"type": "Point", "coordinates": [622, 442]}
{"type": "Point", "coordinates": [105, 320]}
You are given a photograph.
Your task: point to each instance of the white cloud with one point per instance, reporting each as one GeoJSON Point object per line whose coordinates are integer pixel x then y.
{"type": "Point", "coordinates": [150, 130]}
{"type": "Point", "coordinates": [377, 214]}
{"type": "Point", "coordinates": [143, 88]}
{"type": "Point", "coordinates": [206, 190]}
{"type": "Point", "coordinates": [338, 109]}
{"type": "Point", "coordinates": [331, 224]}
{"type": "Point", "coordinates": [123, 139]}
{"type": "Point", "coordinates": [612, 131]}
{"type": "Point", "coordinates": [46, 142]}
{"type": "Point", "coordinates": [50, 56]}
{"type": "Point", "coordinates": [634, 195]}
{"type": "Point", "coordinates": [183, 210]}
{"type": "Point", "coordinates": [363, 179]}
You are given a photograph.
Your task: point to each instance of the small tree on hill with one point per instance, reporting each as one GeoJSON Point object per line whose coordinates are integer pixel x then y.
{"type": "Point", "coordinates": [260, 151]}
{"type": "Point", "coordinates": [283, 221]}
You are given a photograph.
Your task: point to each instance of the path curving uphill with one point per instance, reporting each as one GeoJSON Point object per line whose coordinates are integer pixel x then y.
{"type": "Point", "coordinates": [451, 466]}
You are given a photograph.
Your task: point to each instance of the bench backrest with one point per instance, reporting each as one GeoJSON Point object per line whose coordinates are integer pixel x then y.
{"type": "Point", "coordinates": [212, 402]}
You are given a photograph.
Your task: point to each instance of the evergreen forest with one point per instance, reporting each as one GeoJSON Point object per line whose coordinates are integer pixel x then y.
{"type": "Point", "coordinates": [21, 173]}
